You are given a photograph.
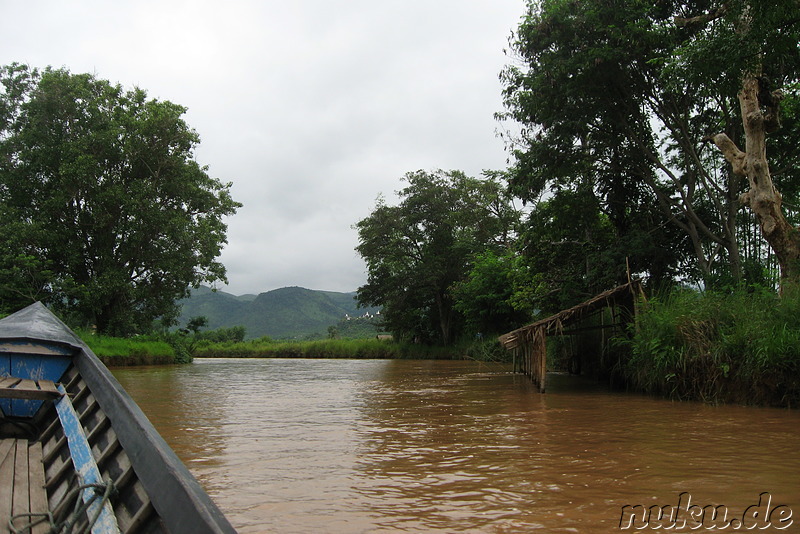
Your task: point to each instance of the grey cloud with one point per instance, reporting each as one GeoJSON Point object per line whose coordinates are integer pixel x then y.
{"type": "Point", "coordinates": [311, 108]}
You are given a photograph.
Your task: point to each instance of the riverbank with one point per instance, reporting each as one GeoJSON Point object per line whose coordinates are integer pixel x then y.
{"type": "Point", "coordinates": [733, 347]}
{"type": "Point", "coordinates": [740, 347]}
{"type": "Point", "coordinates": [341, 348]}
{"type": "Point", "coordinates": [736, 347]}
{"type": "Point", "coordinates": [125, 352]}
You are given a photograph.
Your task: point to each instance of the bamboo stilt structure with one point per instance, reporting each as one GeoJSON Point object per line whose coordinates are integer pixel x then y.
{"type": "Point", "coordinates": [529, 343]}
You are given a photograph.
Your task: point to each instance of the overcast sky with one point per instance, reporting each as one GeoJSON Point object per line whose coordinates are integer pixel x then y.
{"type": "Point", "coordinates": [312, 108]}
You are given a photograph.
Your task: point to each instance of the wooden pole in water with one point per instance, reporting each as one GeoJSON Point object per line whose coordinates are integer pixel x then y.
{"type": "Point", "coordinates": [542, 352]}
{"type": "Point", "coordinates": [527, 369]}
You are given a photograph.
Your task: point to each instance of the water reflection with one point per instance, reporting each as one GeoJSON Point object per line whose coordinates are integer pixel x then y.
{"type": "Point", "coordinates": [372, 446]}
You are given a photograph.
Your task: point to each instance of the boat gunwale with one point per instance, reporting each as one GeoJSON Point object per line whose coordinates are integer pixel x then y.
{"type": "Point", "coordinates": [176, 495]}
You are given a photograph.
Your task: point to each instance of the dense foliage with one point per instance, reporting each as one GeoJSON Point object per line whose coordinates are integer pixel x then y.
{"type": "Point", "coordinates": [623, 121]}
{"type": "Point", "coordinates": [104, 213]}
{"type": "Point", "coordinates": [618, 104]}
{"type": "Point", "coordinates": [718, 347]}
{"type": "Point", "coordinates": [419, 249]}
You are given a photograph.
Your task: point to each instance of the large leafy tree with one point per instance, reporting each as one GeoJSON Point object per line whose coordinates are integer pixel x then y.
{"type": "Point", "coordinates": [104, 211]}
{"type": "Point", "coordinates": [417, 251]}
{"type": "Point", "coordinates": [613, 97]}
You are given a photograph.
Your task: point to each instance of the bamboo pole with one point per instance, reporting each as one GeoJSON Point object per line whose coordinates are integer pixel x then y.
{"type": "Point", "coordinates": [529, 344]}
{"type": "Point", "coordinates": [542, 359]}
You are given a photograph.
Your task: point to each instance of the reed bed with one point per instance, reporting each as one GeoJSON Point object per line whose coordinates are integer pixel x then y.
{"type": "Point", "coordinates": [737, 346]}
{"type": "Point", "coordinates": [117, 352]}
{"type": "Point", "coordinates": [328, 348]}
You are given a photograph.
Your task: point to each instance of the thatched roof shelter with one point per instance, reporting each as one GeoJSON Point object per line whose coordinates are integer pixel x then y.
{"type": "Point", "coordinates": [529, 342]}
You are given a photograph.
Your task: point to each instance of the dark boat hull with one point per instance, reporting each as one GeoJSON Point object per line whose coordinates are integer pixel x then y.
{"type": "Point", "coordinates": [154, 492]}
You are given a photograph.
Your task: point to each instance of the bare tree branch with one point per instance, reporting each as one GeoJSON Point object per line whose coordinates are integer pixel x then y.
{"type": "Point", "coordinates": [702, 20]}
{"type": "Point", "coordinates": [731, 152]}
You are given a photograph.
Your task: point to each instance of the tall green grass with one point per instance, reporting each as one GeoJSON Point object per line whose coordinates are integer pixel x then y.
{"type": "Point", "coordinates": [149, 351]}
{"type": "Point", "coordinates": [328, 348]}
{"type": "Point", "coordinates": [739, 346]}
{"type": "Point", "coordinates": [115, 351]}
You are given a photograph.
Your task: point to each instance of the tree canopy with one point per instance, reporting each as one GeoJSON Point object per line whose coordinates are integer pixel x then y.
{"type": "Point", "coordinates": [621, 101]}
{"type": "Point", "coordinates": [105, 213]}
{"type": "Point", "coordinates": [416, 252]}
{"type": "Point", "coordinates": [642, 132]}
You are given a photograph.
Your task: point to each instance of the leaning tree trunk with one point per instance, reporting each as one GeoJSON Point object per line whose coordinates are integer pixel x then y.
{"type": "Point", "coordinates": [760, 115]}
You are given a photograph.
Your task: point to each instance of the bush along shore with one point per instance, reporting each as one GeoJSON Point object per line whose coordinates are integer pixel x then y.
{"type": "Point", "coordinates": [719, 347]}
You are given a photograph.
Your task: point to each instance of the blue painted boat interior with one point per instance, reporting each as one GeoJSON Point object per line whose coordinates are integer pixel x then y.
{"type": "Point", "coordinates": [17, 359]}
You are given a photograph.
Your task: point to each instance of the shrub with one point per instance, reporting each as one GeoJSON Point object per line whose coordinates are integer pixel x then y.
{"type": "Point", "coordinates": [738, 346]}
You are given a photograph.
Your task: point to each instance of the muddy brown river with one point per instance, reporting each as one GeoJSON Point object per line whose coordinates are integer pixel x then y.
{"type": "Point", "coordinates": [311, 446]}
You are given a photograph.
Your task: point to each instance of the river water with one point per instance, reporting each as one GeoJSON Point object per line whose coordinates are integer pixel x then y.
{"type": "Point", "coordinates": [310, 446]}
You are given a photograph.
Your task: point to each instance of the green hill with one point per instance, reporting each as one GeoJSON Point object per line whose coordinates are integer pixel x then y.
{"type": "Point", "coordinates": [289, 312]}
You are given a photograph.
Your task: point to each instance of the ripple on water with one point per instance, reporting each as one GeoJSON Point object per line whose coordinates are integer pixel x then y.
{"type": "Point", "coordinates": [372, 446]}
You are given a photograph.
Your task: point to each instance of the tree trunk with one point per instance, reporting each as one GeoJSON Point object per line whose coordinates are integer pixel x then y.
{"type": "Point", "coordinates": [445, 310]}
{"type": "Point", "coordinates": [759, 118]}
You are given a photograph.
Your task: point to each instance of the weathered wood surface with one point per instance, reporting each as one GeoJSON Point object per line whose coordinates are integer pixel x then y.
{"type": "Point", "coordinates": [19, 388]}
{"type": "Point", "coordinates": [155, 492]}
{"type": "Point", "coordinates": [132, 507]}
{"type": "Point", "coordinates": [8, 450]}
{"type": "Point", "coordinates": [37, 488]}
{"type": "Point", "coordinates": [85, 466]}
{"type": "Point", "coordinates": [22, 489]}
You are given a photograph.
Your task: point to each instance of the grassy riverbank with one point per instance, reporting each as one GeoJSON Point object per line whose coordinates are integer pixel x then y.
{"type": "Point", "coordinates": [333, 348]}
{"type": "Point", "coordinates": [119, 352]}
{"type": "Point", "coordinates": [735, 347]}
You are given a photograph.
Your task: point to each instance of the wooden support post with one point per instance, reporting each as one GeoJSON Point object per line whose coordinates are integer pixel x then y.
{"type": "Point", "coordinates": [529, 343]}
{"type": "Point", "coordinates": [529, 359]}
{"type": "Point", "coordinates": [542, 360]}
{"type": "Point", "coordinates": [537, 347]}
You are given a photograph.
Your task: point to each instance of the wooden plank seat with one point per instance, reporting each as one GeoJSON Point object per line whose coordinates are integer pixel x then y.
{"type": "Point", "coordinates": [22, 490]}
{"type": "Point", "coordinates": [12, 387]}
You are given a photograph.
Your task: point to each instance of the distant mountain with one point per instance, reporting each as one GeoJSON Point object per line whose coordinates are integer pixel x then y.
{"type": "Point", "coordinates": [288, 312]}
